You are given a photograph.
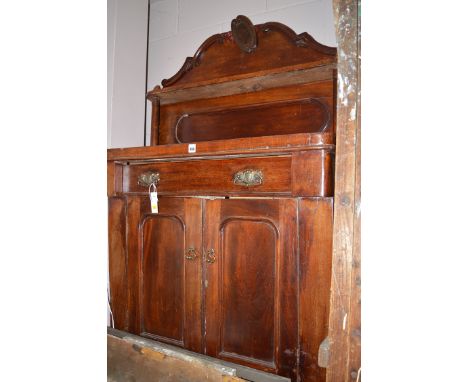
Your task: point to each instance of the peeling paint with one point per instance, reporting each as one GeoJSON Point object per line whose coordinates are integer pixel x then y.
{"type": "Point", "coordinates": [345, 200]}
{"type": "Point", "coordinates": [341, 91]}
{"type": "Point", "coordinates": [348, 92]}
{"type": "Point", "coordinates": [352, 113]}
{"type": "Point", "coordinates": [357, 208]}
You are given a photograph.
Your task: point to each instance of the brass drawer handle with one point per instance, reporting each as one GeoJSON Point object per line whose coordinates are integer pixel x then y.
{"type": "Point", "coordinates": [210, 256]}
{"type": "Point", "coordinates": [248, 178]}
{"type": "Point", "coordinates": [148, 178]}
{"type": "Point", "coordinates": [191, 253]}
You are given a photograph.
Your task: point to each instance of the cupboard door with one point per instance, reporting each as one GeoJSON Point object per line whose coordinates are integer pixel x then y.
{"type": "Point", "coordinates": [251, 287]}
{"type": "Point", "coordinates": [170, 273]}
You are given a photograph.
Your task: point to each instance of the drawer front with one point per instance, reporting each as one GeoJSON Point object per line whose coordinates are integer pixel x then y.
{"type": "Point", "coordinates": [239, 176]}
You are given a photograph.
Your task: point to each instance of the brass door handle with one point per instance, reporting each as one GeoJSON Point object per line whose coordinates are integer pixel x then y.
{"type": "Point", "coordinates": [191, 253]}
{"type": "Point", "coordinates": [210, 256]}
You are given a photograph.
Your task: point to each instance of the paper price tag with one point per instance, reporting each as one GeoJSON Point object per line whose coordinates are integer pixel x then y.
{"type": "Point", "coordinates": [154, 202]}
{"type": "Point", "coordinates": [153, 194]}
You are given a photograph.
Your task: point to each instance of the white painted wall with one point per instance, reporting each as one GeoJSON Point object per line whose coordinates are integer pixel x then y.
{"type": "Point", "coordinates": [178, 27]}
{"type": "Point", "coordinates": [127, 22]}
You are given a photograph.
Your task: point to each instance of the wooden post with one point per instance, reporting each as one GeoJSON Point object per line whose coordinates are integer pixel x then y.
{"type": "Point", "coordinates": [155, 105]}
{"type": "Point", "coordinates": [345, 315]}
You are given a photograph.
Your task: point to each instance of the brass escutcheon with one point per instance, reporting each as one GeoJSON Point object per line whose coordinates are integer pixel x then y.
{"type": "Point", "coordinates": [191, 253]}
{"type": "Point", "coordinates": [210, 256]}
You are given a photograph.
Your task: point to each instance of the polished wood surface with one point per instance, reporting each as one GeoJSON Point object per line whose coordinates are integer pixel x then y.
{"type": "Point", "coordinates": [213, 177]}
{"type": "Point", "coordinates": [315, 245]}
{"type": "Point", "coordinates": [248, 114]}
{"type": "Point", "coordinates": [117, 225]}
{"type": "Point", "coordinates": [293, 109]}
{"type": "Point", "coordinates": [237, 263]}
{"type": "Point", "coordinates": [162, 278]}
{"type": "Point", "coordinates": [242, 89]}
{"type": "Point", "coordinates": [170, 284]}
{"type": "Point", "coordinates": [135, 208]}
{"type": "Point", "coordinates": [114, 178]}
{"type": "Point", "coordinates": [312, 173]}
{"type": "Point", "coordinates": [262, 303]}
{"type": "Point", "coordinates": [253, 121]}
{"type": "Point", "coordinates": [219, 58]}
{"type": "Point", "coordinates": [291, 173]}
{"type": "Point", "coordinates": [228, 147]}
{"type": "Point", "coordinates": [251, 288]}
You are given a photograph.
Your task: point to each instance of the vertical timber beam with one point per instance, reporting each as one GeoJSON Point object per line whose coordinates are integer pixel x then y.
{"type": "Point", "coordinates": [345, 307]}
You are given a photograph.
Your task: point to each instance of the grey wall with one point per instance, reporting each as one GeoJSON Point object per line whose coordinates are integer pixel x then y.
{"type": "Point", "coordinates": [127, 22]}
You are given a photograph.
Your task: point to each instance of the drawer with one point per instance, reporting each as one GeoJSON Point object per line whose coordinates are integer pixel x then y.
{"type": "Point", "coordinates": [235, 176]}
{"type": "Point", "coordinates": [300, 173]}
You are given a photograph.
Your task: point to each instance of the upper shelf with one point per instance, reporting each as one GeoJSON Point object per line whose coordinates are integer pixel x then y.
{"type": "Point", "coordinates": [248, 58]}
{"type": "Point", "coordinates": [242, 146]}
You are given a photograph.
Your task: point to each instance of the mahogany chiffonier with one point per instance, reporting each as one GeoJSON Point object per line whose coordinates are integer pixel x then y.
{"type": "Point", "coordinates": [236, 262]}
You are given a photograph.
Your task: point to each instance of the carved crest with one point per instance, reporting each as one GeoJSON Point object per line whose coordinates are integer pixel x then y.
{"type": "Point", "coordinates": [218, 59]}
{"type": "Point", "coordinates": [243, 32]}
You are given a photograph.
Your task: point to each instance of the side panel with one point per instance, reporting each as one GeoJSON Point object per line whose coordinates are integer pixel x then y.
{"type": "Point", "coordinates": [251, 288]}
{"type": "Point", "coordinates": [134, 212]}
{"type": "Point", "coordinates": [118, 261]}
{"type": "Point", "coordinates": [315, 246]}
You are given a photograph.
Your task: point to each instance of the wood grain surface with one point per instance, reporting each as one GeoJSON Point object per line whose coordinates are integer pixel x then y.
{"type": "Point", "coordinates": [234, 271]}
{"type": "Point", "coordinates": [345, 327]}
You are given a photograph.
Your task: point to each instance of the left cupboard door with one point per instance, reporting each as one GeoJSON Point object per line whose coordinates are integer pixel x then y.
{"type": "Point", "coordinates": [170, 273]}
{"type": "Point", "coordinates": [164, 270]}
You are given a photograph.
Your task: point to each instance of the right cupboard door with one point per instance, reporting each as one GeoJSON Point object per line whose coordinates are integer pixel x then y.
{"type": "Point", "coordinates": [251, 283]}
